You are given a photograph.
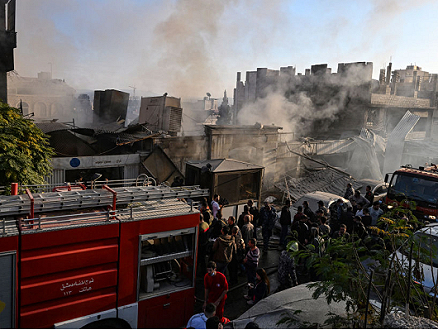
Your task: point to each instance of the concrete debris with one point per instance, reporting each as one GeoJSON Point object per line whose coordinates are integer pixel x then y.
{"type": "Point", "coordinates": [399, 321]}
{"type": "Point", "coordinates": [365, 153]}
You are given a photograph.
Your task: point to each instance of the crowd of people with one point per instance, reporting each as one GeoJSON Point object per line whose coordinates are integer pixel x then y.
{"type": "Point", "coordinates": [229, 246]}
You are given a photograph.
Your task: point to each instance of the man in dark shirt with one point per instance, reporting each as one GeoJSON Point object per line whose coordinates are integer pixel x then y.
{"type": "Point", "coordinates": [366, 218]}
{"type": "Point", "coordinates": [255, 216]}
{"type": "Point", "coordinates": [287, 276]}
{"type": "Point", "coordinates": [302, 229]}
{"type": "Point", "coordinates": [307, 211]}
{"type": "Point", "coordinates": [285, 222]}
{"type": "Point", "coordinates": [342, 232]}
{"type": "Point", "coordinates": [202, 243]}
{"type": "Point", "coordinates": [267, 219]}
{"type": "Point", "coordinates": [206, 213]}
{"type": "Point", "coordinates": [298, 215]}
{"type": "Point", "coordinates": [369, 195]}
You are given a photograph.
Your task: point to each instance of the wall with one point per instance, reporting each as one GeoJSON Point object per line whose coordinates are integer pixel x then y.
{"type": "Point", "coordinates": [47, 98]}
{"type": "Point", "coordinates": [258, 147]}
{"type": "Point", "coordinates": [182, 149]}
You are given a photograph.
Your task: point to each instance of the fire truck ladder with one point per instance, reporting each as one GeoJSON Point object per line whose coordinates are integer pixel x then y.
{"type": "Point", "coordinates": [29, 204]}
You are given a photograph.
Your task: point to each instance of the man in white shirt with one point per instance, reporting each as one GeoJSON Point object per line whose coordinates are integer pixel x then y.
{"type": "Point", "coordinates": [375, 213]}
{"type": "Point", "coordinates": [215, 205]}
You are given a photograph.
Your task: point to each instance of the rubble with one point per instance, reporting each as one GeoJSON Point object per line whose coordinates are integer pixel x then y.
{"type": "Point", "coordinates": [399, 321]}
{"type": "Point", "coordinates": [327, 180]}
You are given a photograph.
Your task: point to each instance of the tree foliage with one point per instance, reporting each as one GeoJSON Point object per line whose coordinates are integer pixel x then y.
{"type": "Point", "coordinates": [24, 149]}
{"type": "Point", "coordinates": [344, 270]}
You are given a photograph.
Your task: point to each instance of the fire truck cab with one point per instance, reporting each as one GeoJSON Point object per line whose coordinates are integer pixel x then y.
{"type": "Point", "coordinates": [418, 185]}
{"type": "Point", "coordinates": [122, 257]}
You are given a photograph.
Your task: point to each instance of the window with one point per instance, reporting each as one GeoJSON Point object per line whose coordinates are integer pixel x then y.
{"type": "Point", "coordinates": [166, 262]}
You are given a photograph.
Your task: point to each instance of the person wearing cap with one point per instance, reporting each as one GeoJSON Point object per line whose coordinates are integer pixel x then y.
{"type": "Point", "coordinates": [287, 276]}
{"type": "Point", "coordinates": [323, 208]}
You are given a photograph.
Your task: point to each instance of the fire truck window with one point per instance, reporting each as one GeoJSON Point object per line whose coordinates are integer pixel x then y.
{"type": "Point", "coordinates": [166, 264]}
{"type": "Point", "coordinates": [418, 188]}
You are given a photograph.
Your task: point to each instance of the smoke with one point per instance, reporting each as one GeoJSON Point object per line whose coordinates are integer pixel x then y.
{"type": "Point", "coordinates": [189, 47]}
{"type": "Point", "coordinates": [303, 104]}
{"type": "Point", "coordinates": [183, 47]}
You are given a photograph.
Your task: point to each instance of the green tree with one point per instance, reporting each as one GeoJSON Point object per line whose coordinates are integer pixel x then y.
{"type": "Point", "coordinates": [344, 269]}
{"type": "Point", "coordinates": [24, 149]}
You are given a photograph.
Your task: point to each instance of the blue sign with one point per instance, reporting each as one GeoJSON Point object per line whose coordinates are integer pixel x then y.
{"type": "Point", "coordinates": [75, 162]}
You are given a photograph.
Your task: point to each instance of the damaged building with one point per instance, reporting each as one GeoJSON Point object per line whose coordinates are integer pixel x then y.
{"type": "Point", "coordinates": [153, 143]}
{"type": "Point", "coordinates": [399, 91]}
{"type": "Point", "coordinates": [45, 98]}
{"type": "Point", "coordinates": [341, 98]}
{"type": "Point", "coordinates": [110, 106]}
{"type": "Point", "coordinates": [161, 113]}
{"type": "Point", "coordinates": [348, 98]}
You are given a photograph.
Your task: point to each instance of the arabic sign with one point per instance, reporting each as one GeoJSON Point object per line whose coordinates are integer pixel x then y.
{"type": "Point", "coordinates": [69, 288]}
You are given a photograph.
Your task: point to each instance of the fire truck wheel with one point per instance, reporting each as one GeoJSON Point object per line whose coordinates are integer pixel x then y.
{"type": "Point", "coordinates": [108, 324]}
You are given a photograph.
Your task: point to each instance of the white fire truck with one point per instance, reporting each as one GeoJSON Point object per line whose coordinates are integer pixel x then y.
{"type": "Point", "coordinates": [107, 258]}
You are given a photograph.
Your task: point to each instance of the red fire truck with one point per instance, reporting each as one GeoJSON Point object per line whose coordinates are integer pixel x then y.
{"type": "Point", "coordinates": [418, 185]}
{"type": "Point", "coordinates": [122, 257]}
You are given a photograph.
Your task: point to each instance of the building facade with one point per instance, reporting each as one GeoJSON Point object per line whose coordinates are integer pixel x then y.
{"type": "Point", "coordinates": [354, 99]}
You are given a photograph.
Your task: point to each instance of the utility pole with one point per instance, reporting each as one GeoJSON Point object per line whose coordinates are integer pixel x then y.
{"type": "Point", "coordinates": [8, 41]}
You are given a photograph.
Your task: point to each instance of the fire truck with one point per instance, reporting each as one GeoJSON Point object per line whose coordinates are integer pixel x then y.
{"type": "Point", "coordinates": [99, 258]}
{"type": "Point", "coordinates": [418, 185]}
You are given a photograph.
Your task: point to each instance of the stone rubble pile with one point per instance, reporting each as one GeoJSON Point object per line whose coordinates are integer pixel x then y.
{"type": "Point", "coordinates": [399, 321]}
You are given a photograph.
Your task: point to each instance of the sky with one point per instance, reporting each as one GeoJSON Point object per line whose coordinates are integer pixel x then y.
{"type": "Point", "coordinates": [187, 48]}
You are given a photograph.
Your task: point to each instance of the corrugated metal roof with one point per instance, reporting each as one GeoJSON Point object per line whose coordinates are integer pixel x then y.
{"type": "Point", "coordinates": [48, 127]}
{"type": "Point", "coordinates": [124, 138]}
{"type": "Point", "coordinates": [225, 165]}
{"type": "Point", "coordinates": [106, 128]}
{"type": "Point", "coordinates": [396, 140]}
{"type": "Point", "coordinates": [404, 126]}
{"type": "Point", "coordinates": [326, 180]}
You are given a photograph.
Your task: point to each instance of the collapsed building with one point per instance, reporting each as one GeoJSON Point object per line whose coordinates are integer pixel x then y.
{"type": "Point", "coordinates": [345, 118]}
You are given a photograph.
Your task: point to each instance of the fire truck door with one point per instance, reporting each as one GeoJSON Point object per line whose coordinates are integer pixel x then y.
{"type": "Point", "coordinates": [7, 290]}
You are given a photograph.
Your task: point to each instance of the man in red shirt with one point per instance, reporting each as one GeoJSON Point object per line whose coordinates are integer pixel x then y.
{"type": "Point", "coordinates": [216, 288]}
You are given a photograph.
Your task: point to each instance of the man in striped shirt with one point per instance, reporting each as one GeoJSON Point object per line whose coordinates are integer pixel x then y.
{"type": "Point", "coordinates": [251, 260]}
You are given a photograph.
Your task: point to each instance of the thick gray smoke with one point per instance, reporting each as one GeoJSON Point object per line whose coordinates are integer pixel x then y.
{"type": "Point", "coordinates": [297, 104]}
{"type": "Point", "coordinates": [189, 47]}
